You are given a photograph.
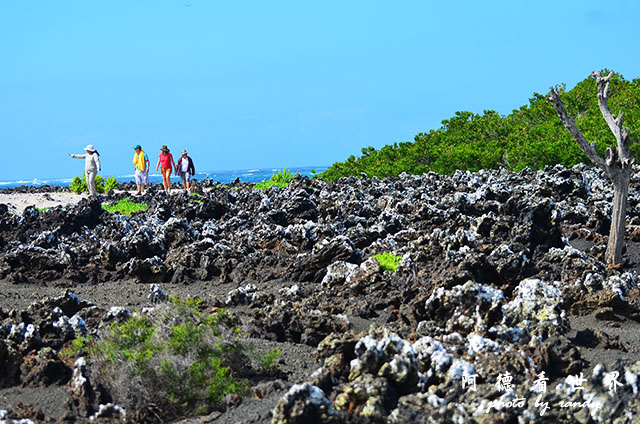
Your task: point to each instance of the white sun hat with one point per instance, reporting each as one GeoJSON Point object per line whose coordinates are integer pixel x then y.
{"type": "Point", "coordinates": [90, 148]}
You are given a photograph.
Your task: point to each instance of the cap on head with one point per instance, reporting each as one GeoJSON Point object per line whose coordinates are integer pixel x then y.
{"type": "Point", "coordinates": [137, 147]}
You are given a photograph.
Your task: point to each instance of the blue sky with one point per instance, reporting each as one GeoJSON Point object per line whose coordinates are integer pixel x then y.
{"type": "Point", "coordinates": [251, 84]}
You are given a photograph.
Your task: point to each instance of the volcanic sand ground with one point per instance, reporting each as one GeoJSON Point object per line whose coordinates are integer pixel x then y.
{"type": "Point", "coordinates": [18, 202]}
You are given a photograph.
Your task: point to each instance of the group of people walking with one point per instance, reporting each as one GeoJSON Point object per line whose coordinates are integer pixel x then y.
{"type": "Point", "coordinates": [184, 168]}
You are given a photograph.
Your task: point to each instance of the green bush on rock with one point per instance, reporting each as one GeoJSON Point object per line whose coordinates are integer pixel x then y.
{"type": "Point", "coordinates": [388, 261]}
{"type": "Point", "coordinates": [279, 179]}
{"type": "Point", "coordinates": [175, 357]}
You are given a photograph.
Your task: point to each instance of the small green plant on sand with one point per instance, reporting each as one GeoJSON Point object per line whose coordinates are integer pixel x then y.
{"type": "Point", "coordinates": [79, 184]}
{"type": "Point", "coordinates": [269, 360]}
{"type": "Point", "coordinates": [388, 261]}
{"type": "Point", "coordinates": [279, 179]}
{"type": "Point", "coordinates": [125, 206]}
{"type": "Point", "coordinates": [177, 356]}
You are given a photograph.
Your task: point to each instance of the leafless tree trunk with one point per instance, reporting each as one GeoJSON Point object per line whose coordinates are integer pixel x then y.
{"type": "Point", "coordinates": [616, 164]}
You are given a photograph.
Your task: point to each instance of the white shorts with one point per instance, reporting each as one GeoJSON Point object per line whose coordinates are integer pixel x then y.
{"type": "Point", "coordinates": [141, 177]}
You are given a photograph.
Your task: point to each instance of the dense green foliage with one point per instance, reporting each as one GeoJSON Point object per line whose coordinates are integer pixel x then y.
{"type": "Point", "coordinates": [388, 261]}
{"type": "Point", "coordinates": [532, 136]}
{"type": "Point", "coordinates": [125, 206]}
{"type": "Point", "coordinates": [279, 179]}
{"type": "Point", "coordinates": [79, 184]}
{"type": "Point", "coordinates": [176, 357]}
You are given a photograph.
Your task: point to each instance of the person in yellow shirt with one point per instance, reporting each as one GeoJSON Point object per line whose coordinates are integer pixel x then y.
{"type": "Point", "coordinates": [141, 168]}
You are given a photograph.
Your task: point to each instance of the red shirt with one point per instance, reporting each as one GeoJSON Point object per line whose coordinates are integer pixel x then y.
{"type": "Point", "coordinates": [165, 160]}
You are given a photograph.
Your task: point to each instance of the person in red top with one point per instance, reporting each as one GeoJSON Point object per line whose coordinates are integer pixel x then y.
{"type": "Point", "coordinates": [166, 164]}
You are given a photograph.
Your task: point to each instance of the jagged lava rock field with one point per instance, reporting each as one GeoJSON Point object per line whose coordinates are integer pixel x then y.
{"type": "Point", "coordinates": [501, 309]}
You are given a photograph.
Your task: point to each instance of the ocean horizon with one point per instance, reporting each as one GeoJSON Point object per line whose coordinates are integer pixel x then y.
{"type": "Point", "coordinates": [224, 176]}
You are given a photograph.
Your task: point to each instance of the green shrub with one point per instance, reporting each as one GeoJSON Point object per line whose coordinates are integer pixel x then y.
{"type": "Point", "coordinates": [279, 179]}
{"type": "Point", "coordinates": [269, 360]}
{"type": "Point", "coordinates": [532, 136]}
{"type": "Point", "coordinates": [175, 356]}
{"type": "Point", "coordinates": [110, 184]}
{"type": "Point", "coordinates": [79, 184]}
{"type": "Point", "coordinates": [125, 206]}
{"type": "Point", "coordinates": [282, 177]}
{"type": "Point", "coordinates": [388, 261]}
{"type": "Point", "coordinates": [77, 347]}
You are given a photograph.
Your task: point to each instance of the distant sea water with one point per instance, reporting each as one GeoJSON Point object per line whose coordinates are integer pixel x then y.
{"type": "Point", "coordinates": [245, 175]}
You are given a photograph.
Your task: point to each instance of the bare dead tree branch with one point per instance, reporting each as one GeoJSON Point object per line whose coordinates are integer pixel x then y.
{"type": "Point", "coordinates": [615, 124]}
{"type": "Point", "coordinates": [569, 123]}
{"type": "Point", "coordinates": [616, 164]}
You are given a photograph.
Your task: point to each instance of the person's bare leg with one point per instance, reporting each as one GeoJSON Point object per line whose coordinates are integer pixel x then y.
{"type": "Point", "coordinates": [167, 179]}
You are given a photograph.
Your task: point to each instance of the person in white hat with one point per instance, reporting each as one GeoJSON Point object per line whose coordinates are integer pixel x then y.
{"type": "Point", "coordinates": [185, 169]}
{"type": "Point", "coordinates": [91, 167]}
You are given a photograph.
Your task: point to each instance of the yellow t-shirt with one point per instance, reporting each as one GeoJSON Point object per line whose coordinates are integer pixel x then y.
{"type": "Point", "coordinates": [139, 161]}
